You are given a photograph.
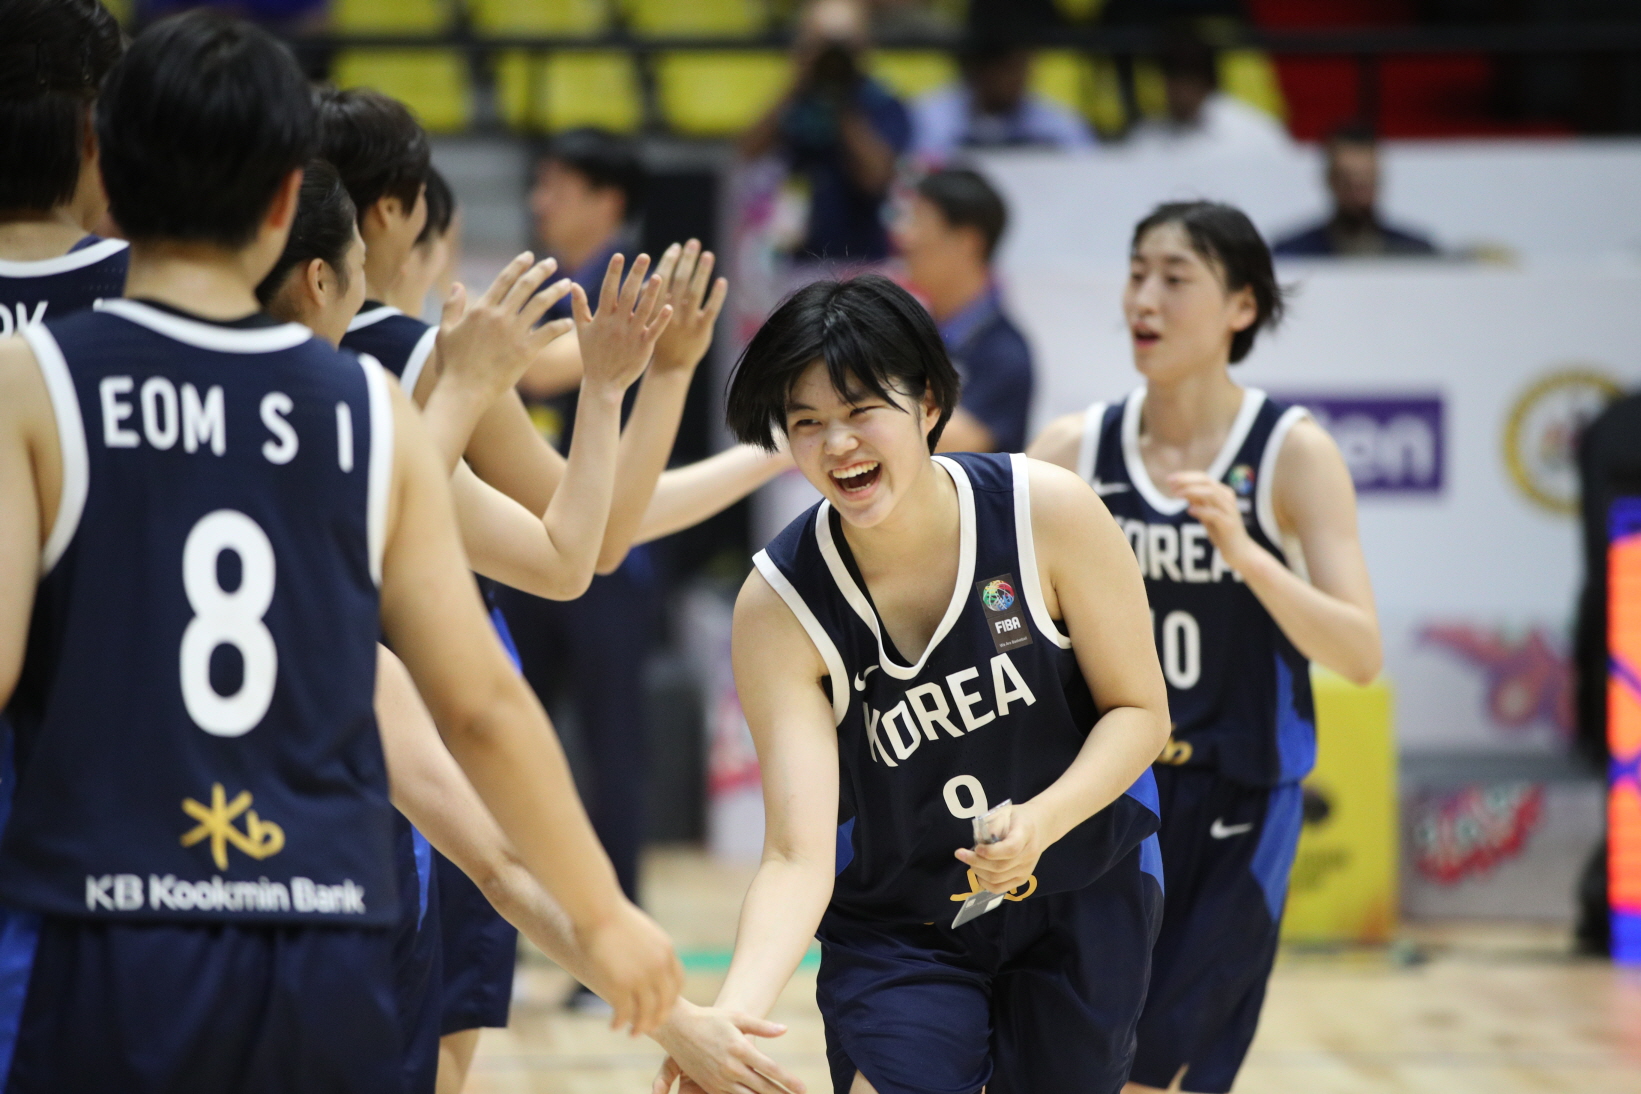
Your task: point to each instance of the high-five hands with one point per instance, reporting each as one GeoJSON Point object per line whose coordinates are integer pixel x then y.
{"type": "Point", "coordinates": [485, 344]}
{"type": "Point", "coordinates": [617, 340]}
{"type": "Point", "coordinates": [631, 965]}
{"type": "Point", "coordinates": [687, 274]}
{"type": "Point", "coordinates": [710, 1051]}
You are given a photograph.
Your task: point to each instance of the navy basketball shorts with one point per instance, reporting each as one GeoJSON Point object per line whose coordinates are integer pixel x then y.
{"type": "Point", "coordinates": [418, 967]}
{"type": "Point", "coordinates": [1228, 849]}
{"type": "Point", "coordinates": [1040, 996]}
{"type": "Point", "coordinates": [162, 1008]}
{"type": "Point", "coordinates": [480, 953]}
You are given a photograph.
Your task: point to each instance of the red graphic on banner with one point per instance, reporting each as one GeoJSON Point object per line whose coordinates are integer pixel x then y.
{"type": "Point", "coordinates": [1470, 831]}
{"type": "Point", "coordinates": [1529, 679]}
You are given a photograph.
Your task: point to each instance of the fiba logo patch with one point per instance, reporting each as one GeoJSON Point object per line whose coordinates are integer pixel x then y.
{"type": "Point", "coordinates": [1005, 615]}
{"type": "Point", "coordinates": [1241, 480]}
{"type": "Point", "coordinates": [998, 595]}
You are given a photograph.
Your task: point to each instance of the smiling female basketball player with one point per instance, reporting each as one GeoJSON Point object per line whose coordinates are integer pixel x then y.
{"type": "Point", "coordinates": [938, 636]}
{"type": "Point", "coordinates": [1243, 517]}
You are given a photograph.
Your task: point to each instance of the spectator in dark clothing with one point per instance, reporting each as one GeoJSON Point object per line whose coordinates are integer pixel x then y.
{"type": "Point", "coordinates": [1355, 227]}
{"type": "Point", "coordinates": [948, 236]}
{"type": "Point", "coordinates": [840, 133]}
{"type": "Point", "coordinates": [588, 187]}
{"type": "Point", "coordinates": [1609, 467]}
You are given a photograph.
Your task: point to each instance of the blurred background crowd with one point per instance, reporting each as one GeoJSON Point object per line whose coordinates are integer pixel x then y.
{"type": "Point", "coordinates": [1450, 183]}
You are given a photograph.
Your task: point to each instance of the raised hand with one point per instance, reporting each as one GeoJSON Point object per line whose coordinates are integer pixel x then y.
{"type": "Point", "coordinates": [687, 274]}
{"type": "Point", "coordinates": [487, 343]}
{"type": "Point", "coordinates": [632, 967]}
{"type": "Point", "coordinates": [710, 1051]}
{"type": "Point", "coordinates": [1215, 505]}
{"type": "Point", "coordinates": [617, 341]}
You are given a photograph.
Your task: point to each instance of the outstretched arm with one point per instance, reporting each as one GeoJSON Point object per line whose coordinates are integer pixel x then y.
{"type": "Point", "coordinates": [685, 496]}
{"type": "Point", "coordinates": [778, 675]}
{"type": "Point", "coordinates": [428, 787]}
{"type": "Point", "coordinates": [1090, 581]}
{"type": "Point", "coordinates": [499, 734]}
{"type": "Point", "coordinates": [1331, 617]}
{"type": "Point", "coordinates": [646, 443]}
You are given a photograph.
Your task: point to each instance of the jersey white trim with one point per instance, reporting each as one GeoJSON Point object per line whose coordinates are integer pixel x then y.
{"type": "Point", "coordinates": [418, 360]}
{"type": "Point", "coordinates": [812, 627]}
{"type": "Point", "coordinates": [863, 607]}
{"type": "Point", "coordinates": [1252, 400]}
{"type": "Point", "coordinates": [1265, 486]}
{"type": "Point", "coordinates": [374, 315]}
{"type": "Point", "coordinates": [1088, 450]}
{"type": "Point", "coordinates": [65, 408]}
{"type": "Point", "coordinates": [1031, 582]}
{"type": "Point", "coordinates": [380, 483]}
{"type": "Point", "coordinates": [74, 260]}
{"type": "Point", "coordinates": [208, 335]}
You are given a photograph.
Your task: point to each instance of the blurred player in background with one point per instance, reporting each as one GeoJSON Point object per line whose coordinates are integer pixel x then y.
{"type": "Point", "coordinates": [1243, 517]}
{"type": "Point", "coordinates": [54, 56]}
{"type": "Point", "coordinates": [938, 636]}
{"type": "Point", "coordinates": [431, 265]}
{"type": "Point", "coordinates": [278, 961]}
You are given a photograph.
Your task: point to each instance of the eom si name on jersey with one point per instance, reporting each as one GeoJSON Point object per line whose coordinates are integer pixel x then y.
{"type": "Point", "coordinates": [1239, 691]}
{"type": "Point", "coordinates": [195, 731]}
{"type": "Point", "coordinates": [995, 709]}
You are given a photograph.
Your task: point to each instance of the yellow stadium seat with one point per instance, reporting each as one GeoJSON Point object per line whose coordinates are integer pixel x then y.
{"type": "Point", "coordinates": [121, 10]}
{"type": "Point", "coordinates": [552, 92]}
{"type": "Point", "coordinates": [1103, 102]}
{"type": "Point", "coordinates": [1249, 75]}
{"type": "Point", "coordinates": [432, 82]}
{"type": "Point", "coordinates": [391, 16]}
{"type": "Point", "coordinates": [1150, 89]}
{"type": "Point", "coordinates": [1060, 75]}
{"type": "Point", "coordinates": [719, 93]}
{"type": "Point", "coordinates": [910, 73]}
{"type": "Point", "coordinates": [682, 18]}
{"type": "Point", "coordinates": [1080, 11]}
{"type": "Point", "coordinates": [569, 17]}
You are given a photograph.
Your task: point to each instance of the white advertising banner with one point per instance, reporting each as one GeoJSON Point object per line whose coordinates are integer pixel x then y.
{"type": "Point", "coordinates": [1456, 393]}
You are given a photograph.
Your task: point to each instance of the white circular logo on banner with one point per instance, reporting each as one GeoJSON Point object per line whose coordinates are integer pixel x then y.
{"type": "Point", "coordinates": [1541, 434]}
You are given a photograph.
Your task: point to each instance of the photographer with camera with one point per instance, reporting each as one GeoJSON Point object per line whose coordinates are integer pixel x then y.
{"type": "Point", "coordinates": [839, 133]}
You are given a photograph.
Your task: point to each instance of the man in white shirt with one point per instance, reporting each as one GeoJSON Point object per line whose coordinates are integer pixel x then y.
{"type": "Point", "coordinates": [992, 106]}
{"type": "Point", "coordinates": [1200, 116]}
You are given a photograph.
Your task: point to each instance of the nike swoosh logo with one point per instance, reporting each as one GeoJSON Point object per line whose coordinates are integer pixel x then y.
{"type": "Point", "coordinates": [1220, 830]}
{"type": "Point", "coordinates": [860, 680]}
{"type": "Point", "coordinates": [1104, 488]}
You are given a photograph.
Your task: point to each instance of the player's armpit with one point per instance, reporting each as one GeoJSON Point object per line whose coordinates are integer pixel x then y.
{"type": "Point", "coordinates": [1092, 584]}
{"type": "Point", "coordinates": [30, 487]}
{"type": "Point", "coordinates": [1059, 442]}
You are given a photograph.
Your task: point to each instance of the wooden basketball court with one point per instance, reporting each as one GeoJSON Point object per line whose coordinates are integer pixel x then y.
{"type": "Point", "coordinates": [1483, 1008]}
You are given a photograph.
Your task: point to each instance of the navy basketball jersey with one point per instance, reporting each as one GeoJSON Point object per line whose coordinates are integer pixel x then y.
{"type": "Point", "coordinates": [1239, 692]}
{"type": "Point", "coordinates": [401, 343]}
{"type": "Point", "coordinates": [50, 288]}
{"type": "Point", "coordinates": [195, 732]}
{"type": "Point", "coordinates": [996, 708]}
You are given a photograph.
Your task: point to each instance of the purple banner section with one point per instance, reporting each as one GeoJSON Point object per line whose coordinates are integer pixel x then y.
{"type": "Point", "coordinates": [1393, 444]}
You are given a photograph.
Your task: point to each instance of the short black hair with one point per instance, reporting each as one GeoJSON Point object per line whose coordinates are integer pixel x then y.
{"type": "Point", "coordinates": [54, 57]}
{"type": "Point", "coordinates": [1184, 55]}
{"type": "Point", "coordinates": [198, 126]}
{"type": "Point", "coordinates": [1225, 237]}
{"type": "Point", "coordinates": [868, 330]}
{"type": "Point", "coordinates": [324, 228]}
{"type": "Point", "coordinates": [967, 200]}
{"type": "Point", "coordinates": [376, 144]}
{"type": "Point", "coordinates": [607, 160]}
{"type": "Point", "coordinates": [441, 207]}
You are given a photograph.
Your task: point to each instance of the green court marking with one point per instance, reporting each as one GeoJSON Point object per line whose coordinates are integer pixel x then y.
{"type": "Point", "coordinates": [718, 960]}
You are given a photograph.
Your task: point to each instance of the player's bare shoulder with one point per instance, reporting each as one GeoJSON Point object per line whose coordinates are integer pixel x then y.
{"type": "Point", "coordinates": [769, 634]}
{"type": "Point", "coordinates": [1311, 474]}
{"type": "Point", "coordinates": [1060, 441]}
